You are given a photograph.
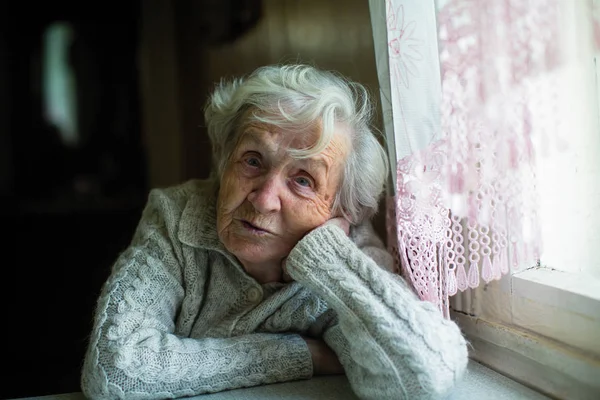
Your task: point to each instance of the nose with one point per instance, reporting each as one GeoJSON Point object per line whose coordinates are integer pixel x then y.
{"type": "Point", "coordinates": [265, 196]}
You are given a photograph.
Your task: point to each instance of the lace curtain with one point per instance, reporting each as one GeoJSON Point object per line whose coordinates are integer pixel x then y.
{"type": "Point", "coordinates": [466, 89]}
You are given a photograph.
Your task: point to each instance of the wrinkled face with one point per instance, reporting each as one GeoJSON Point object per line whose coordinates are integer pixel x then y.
{"type": "Point", "coordinates": [268, 200]}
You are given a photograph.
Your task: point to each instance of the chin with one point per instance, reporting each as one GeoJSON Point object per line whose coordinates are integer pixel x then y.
{"type": "Point", "coordinates": [251, 252]}
{"type": "Point", "coordinates": [254, 259]}
{"type": "Point", "coordinates": [247, 256]}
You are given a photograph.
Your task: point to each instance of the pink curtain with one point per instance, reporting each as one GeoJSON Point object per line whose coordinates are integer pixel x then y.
{"type": "Point", "coordinates": [464, 205]}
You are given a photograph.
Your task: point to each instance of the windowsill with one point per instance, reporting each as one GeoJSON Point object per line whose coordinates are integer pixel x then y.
{"type": "Point", "coordinates": [543, 364]}
{"type": "Point", "coordinates": [558, 305]}
{"type": "Point", "coordinates": [583, 292]}
{"type": "Point", "coordinates": [540, 327]}
{"type": "Point", "coordinates": [479, 382]}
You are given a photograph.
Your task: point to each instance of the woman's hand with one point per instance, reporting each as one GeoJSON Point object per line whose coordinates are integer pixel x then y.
{"type": "Point", "coordinates": [325, 361]}
{"type": "Point", "coordinates": [340, 222]}
{"type": "Point", "coordinates": [337, 221]}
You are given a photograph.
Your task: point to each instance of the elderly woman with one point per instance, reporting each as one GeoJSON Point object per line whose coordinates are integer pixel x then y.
{"type": "Point", "coordinates": [270, 271]}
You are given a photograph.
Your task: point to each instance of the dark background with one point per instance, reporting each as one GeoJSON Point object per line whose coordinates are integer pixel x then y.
{"type": "Point", "coordinates": [143, 70]}
{"type": "Point", "coordinates": [67, 211]}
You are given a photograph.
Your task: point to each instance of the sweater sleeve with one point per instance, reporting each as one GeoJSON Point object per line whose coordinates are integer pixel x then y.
{"type": "Point", "coordinates": [133, 351]}
{"type": "Point", "coordinates": [391, 344]}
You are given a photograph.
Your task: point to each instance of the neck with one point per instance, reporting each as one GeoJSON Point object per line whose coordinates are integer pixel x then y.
{"type": "Point", "coordinates": [264, 272]}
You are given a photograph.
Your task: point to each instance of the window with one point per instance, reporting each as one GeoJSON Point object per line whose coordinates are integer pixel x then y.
{"type": "Point", "coordinates": [541, 325]}
{"type": "Point", "coordinates": [59, 82]}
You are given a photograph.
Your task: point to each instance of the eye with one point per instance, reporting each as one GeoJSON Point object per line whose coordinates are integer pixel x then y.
{"type": "Point", "coordinates": [252, 161]}
{"type": "Point", "coordinates": [303, 181]}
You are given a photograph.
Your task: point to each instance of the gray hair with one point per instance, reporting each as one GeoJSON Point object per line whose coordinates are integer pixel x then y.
{"type": "Point", "coordinates": [298, 96]}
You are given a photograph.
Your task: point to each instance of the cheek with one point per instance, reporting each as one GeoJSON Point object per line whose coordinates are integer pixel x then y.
{"type": "Point", "coordinates": [233, 190]}
{"type": "Point", "coordinates": [305, 215]}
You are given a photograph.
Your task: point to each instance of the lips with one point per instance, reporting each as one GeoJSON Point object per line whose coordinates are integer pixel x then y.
{"type": "Point", "coordinates": [254, 228]}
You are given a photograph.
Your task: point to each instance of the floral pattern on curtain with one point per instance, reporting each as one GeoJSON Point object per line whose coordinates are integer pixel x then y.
{"type": "Point", "coordinates": [460, 122]}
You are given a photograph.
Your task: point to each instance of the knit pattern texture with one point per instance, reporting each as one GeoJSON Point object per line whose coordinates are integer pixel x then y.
{"type": "Point", "coordinates": [179, 316]}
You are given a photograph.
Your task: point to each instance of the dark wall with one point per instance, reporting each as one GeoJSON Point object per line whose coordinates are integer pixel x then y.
{"type": "Point", "coordinates": [109, 157]}
{"type": "Point", "coordinates": [66, 211]}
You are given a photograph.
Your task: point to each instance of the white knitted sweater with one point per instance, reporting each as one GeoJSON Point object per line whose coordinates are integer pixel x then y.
{"type": "Point", "coordinates": [178, 315]}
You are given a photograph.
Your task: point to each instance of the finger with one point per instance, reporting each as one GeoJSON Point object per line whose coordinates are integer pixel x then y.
{"type": "Point", "coordinates": [342, 223]}
{"type": "Point", "coordinates": [284, 275]}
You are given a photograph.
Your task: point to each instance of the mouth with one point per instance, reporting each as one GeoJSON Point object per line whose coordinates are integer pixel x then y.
{"type": "Point", "coordinates": [253, 228]}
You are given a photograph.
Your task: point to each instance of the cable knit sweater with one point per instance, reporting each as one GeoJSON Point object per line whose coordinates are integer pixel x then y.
{"type": "Point", "coordinates": [178, 315]}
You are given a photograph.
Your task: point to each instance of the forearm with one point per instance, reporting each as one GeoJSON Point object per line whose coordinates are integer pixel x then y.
{"type": "Point", "coordinates": [134, 352]}
{"type": "Point", "coordinates": [159, 365]}
{"type": "Point", "coordinates": [392, 345]}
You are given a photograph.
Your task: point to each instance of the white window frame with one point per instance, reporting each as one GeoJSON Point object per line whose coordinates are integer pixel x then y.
{"type": "Point", "coordinates": [540, 327]}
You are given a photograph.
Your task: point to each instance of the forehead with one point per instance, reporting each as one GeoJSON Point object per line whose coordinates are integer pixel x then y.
{"type": "Point", "coordinates": [296, 137]}
{"type": "Point", "coordinates": [274, 136]}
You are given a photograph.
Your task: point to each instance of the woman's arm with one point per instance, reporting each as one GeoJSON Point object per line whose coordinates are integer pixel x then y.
{"type": "Point", "coordinates": [133, 352]}
{"type": "Point", "coordinates": [391, 344]}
